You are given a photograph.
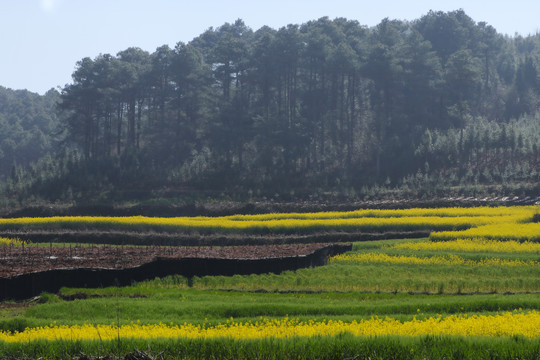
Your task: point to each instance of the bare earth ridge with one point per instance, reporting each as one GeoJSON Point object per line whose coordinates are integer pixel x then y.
{"type": "Point", "coordinates": [18, 260]}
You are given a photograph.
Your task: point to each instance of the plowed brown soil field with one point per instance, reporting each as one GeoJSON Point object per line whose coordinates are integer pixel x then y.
{"type": "Point", "coordinates": [17, 260]}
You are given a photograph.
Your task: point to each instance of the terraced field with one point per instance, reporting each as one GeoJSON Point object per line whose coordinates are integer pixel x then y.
{"type": "Point", "coordinates": [469, 290]}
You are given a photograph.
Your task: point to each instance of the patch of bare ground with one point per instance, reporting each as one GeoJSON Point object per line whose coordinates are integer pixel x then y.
{"type": "Point", "coordinates": [18, 260]}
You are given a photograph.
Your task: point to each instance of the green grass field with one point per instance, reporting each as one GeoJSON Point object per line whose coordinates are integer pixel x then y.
{"type": "Point", "coordinates": [163, 301]}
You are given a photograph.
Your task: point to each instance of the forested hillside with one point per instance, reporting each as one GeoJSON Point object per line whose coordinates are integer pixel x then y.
{"type": "Point", "coordinates": [27, 125]}
{"type": "Point", "coordinates": [327, 106]}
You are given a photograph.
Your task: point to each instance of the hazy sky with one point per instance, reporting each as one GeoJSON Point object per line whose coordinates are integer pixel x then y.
{"type": "Point", "coordinates": [41, 40]}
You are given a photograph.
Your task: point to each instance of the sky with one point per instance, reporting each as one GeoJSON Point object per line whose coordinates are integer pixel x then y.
{"type": "Point", "coordinates": [41, 40]}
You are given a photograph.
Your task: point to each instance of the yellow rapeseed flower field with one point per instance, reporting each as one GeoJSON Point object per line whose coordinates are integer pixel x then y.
{"type": "Point", "coordinates": [499, 325]}
{"type": "Point", "coordinates": [432, 260]}
{"type": "Point", "coordinates": [360, 220]}
{"type": "Point", "coordinates": [8, 241]}
{"type": "Point", "coordinates": [277, 224]}
{"type": "Point", "coordinates": [471, 245]}
{"type": "Point", "coordinates": [495, 231]}
{"type": "Point", "coordinates": [518, 211]}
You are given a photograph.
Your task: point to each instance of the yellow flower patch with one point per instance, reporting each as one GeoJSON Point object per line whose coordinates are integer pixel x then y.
{"type": "Point", "coordinates": [497, 231]}
{"type": "Point", "coordinates": [471, 245]}
{"type": "Point", "coordinates": [8, 241]}
{"type": "Point", "coordinates": [505, 324]}
{"type": "Point", "coordinates": [433, 260]}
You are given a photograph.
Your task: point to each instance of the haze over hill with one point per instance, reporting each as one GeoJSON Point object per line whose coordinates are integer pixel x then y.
{"type": "Point", "coordinates": [406, 108]}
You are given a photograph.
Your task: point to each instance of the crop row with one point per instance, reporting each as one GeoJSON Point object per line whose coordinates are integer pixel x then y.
{"type": "Point", "coordinates": [9, 241]}
{"type": "Point", "coordinates": [504, 324]}
{"type": "Point", "coordinates": [211, 225]}
{"type": "Point", "coordinates": [374, 278]}
{"type": "Point", "coordinates": [444, 219]}
{"type": "Point", "coordinates": [471, 245]}
{"type": "Point", "coordinates": [518, 211]}
{"type": "Point", "coordinates": [496, 231]}
{"type": "Point", "coordinates": [450, 260]}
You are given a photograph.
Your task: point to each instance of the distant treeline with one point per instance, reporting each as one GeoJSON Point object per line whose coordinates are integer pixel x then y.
{"type": "Point", "coordinates": [27, 123]}
{"type": "Point", "coordinates": [326, 105]}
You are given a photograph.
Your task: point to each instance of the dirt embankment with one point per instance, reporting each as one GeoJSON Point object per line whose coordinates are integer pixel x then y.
{"type": "Point", "coordinates": [28, 271]}
{"type": "Point", "coordinates": [19, 260]}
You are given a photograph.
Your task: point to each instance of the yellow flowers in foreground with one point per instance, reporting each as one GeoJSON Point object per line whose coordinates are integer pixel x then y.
{"type": "Point", "coordinates": [471, 245]}
{"type": "Point", "coordinates": [505, 324]}
{"type": "Point", "coordinates": [433, 260]}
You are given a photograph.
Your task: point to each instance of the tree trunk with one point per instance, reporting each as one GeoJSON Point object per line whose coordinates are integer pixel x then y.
{"type": "Point", "coordinates": [119, 116]}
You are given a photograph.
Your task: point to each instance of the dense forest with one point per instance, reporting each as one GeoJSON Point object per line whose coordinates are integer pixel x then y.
{"type": "Point", "coordinates": [419, 108]}
{"type": "Point", "coordinates": [28, 122]}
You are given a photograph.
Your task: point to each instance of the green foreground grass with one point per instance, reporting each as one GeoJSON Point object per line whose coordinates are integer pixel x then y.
{"type": "Point", "coordinates": [331, 348]}
{"type": "Point", "coordinates": [213, 307]}
{"type": "Point", "coordinates": [339, 291]}
{"type": "Point", "coordinates": [394, 278]}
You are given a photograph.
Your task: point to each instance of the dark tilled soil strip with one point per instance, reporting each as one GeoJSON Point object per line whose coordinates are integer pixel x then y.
{"type": "Point", "coordinates": [17, 260]}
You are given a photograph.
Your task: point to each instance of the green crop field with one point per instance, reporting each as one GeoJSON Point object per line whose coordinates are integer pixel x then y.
{"type": "Point", "coordinates": [469, 294]}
